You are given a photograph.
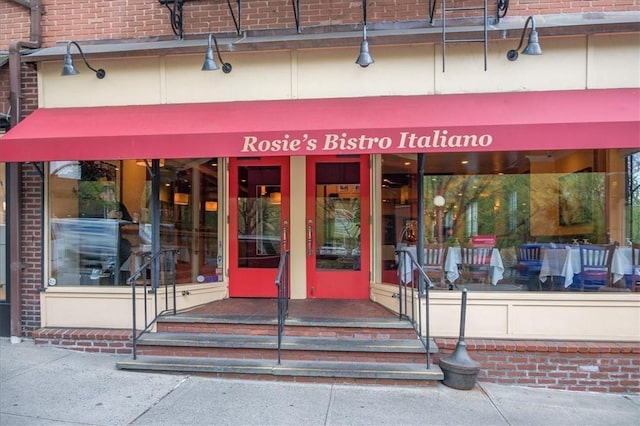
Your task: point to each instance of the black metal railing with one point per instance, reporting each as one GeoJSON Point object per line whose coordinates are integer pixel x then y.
{"type": "Point", "coordinates": [282, 282]}
{"type": "Point", "coordinates": [413, 283]}
{"type": "Point", "coordinates": [155, 277]}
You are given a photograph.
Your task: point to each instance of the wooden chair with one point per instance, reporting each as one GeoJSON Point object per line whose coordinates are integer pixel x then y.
{"type": "Point", "coordinates": [635, 267]}
{"type": "Point", "coordinates": [595, 266]}
{"type": "Point", "coordinates": [529, 264]}
{"type": "Point", "coordinates": [434, 258]}
{"type": "Point", "coordinates": [476, 264]}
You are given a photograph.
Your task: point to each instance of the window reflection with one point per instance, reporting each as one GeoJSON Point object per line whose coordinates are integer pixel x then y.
{"type": "Point", "coordinates": [552, 200]}
{"type": "Point", "coordinates": [259, 216]}
{"type": "Point", "coordinates": [101, 219]}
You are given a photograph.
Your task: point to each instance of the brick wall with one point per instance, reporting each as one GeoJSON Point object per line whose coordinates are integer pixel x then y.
{"type": "Point", "coordinates": [4, 89]}
{"type": "Point", "coordinates": [132, 19]}
{"type": "Point", "coordinates": [86, 340]}
{"type": "Point", "coordinates": [579, 366]}
{"type": "Point", "coordinates": [15, 23]}
{"type": "Point", "coordinates": [30, 242]}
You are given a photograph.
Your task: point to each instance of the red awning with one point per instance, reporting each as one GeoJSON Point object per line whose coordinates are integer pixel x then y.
{"type": "Point", "coordinates": [483, 122]}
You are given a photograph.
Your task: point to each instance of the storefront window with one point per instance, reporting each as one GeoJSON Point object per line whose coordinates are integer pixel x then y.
{"type": "Point", "coordinates": [553, 203]}
{"type": "Point", "coordinates": [101, 219]}
{"type": "Point", "coordinates": [3, 232]}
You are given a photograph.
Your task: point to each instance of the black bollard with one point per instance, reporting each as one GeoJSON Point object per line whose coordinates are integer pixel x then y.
{"type": "Point", "coordinates": [460, 371]}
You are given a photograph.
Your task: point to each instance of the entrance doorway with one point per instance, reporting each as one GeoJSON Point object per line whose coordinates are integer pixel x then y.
{"type": "Point", "coordinates": [258, 224]}
{"type": "Point", "coordinates": [333, 214]}
{"type": "Point", "coordinates": [337, 227]}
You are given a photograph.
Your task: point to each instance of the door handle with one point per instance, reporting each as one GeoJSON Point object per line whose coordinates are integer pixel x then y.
{"type": "Point", "coordinates": [285, 232]}
{"type": "Point", "coordinates": [310, 238]}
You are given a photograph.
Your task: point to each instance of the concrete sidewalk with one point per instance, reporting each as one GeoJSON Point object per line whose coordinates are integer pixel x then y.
{"type": "Point", "coordinates": [48, 386]}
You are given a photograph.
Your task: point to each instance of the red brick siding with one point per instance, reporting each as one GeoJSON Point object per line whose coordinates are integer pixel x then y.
{"type": "Point", "coordinates": [130, 19]}
{"type": "Point", "coordinates": [86, 340]}
{"type": "Point", "coordinates": [30, 243]}
{"type": "Point", "coordinates": [29, 90]}
{"type": "Point", "coordinates": [579, 366]}
{"type": "Point", "coordinates": [5, 90]}
{"type": "Point", "coordinates": [15, 23]}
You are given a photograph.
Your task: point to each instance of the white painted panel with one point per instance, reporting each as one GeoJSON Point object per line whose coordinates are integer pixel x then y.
{"type": "Point", "coordinates": [561, 66]}
{"type": "Point", "coordinates": [601, 316]}
{"type": "Point", "coordinates": [255, 76]}
{"type": "Point", "coordinates": [614, 61]}
{"type": "Point", "coordinates": [132, 81]}
{"type": "Point", "coordinates": [398, 70]}
{"type": "Point", "coordinates": [584, 322]}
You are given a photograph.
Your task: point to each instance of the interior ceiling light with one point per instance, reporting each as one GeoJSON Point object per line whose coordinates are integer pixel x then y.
{"type": "Point", "coordinates": [69, 69]}
{"type": "Point", "coordinates": [364, 58]}
{"type": "Point", "coordinates": [533, 45]}
{"type": "Point", "coordinates": [210, 62]}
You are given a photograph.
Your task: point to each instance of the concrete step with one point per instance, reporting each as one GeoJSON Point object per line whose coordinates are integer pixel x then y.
{"type": "Point", "coordinates": [356, 328]}
{"type": "Point", "coordinates": [293, 347]}
{"type": "Point", "coordinates": [292, 370]}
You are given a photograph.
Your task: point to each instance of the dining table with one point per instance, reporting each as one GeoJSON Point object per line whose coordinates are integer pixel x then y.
{"type": "Point", "coordinates": [564, 261]}
{"type": "Point", "coordinates": [452, 263]}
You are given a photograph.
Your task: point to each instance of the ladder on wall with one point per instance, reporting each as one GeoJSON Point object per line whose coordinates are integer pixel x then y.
{"type": "Point", "coordinates": [449, 8]}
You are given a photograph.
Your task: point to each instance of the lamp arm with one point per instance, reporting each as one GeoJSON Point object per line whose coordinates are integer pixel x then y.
{"type": "Point", "coordinates": [524, 30]}
{"type": "Point", "coordinates": [100, 73]}
{"type": "Point", "coordinates": [226, 67]}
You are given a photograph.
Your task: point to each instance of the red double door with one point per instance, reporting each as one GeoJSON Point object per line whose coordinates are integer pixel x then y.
{"type": "Point", "coordinates": [331, 216]}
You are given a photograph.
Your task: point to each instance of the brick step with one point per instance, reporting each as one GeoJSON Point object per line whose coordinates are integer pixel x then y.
{"type": "Point", "coordinates": [378, 328]}
{"type": "Point", "coordinates": [323, 372]}
{"type": "Point", "coordinates": [293, 347]}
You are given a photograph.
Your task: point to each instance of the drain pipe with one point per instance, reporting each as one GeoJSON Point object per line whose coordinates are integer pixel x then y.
{"type": "Point", "coordinates": [14, 170]}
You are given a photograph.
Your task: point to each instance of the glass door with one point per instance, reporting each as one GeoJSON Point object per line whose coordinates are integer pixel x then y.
{"type": "Point", "coordinates": [337, 227]}
{"type": "Point", "coordinates": [258, 224]}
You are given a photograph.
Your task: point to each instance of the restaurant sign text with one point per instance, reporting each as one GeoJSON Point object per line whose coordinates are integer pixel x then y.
{"type": "Point", "coordinates": [345, 142]}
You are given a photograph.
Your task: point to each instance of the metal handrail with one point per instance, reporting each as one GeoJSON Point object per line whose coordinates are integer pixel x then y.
{"type": "Point", "coordinates": [282, 282]}
{"type": "Point", "coordinates": [407, 291]}
{"type": "Point", "coordinates": [157, 271]}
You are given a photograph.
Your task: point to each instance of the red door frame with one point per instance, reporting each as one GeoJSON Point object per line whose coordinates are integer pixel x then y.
{"type": "Point", "coordinates": [339, 284]}
{"type": "Point", "coordinates": [254, 282]}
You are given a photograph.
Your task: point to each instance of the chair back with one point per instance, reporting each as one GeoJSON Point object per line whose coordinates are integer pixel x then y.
{"type": "Point", "coordinates": [529, 259]}
{"type": "Point", "coordinates": [433, 266]}
{"type": "Point", "coordinates": [476, 256]}
{"type": "Point", "coordinates": [476, 263]}
{"type": "Point", "coordinates": [595, 265]}
{"type": "Point", "coordinates": [529, 253]}
{"type": "Point", "coordinates": [434, 255]}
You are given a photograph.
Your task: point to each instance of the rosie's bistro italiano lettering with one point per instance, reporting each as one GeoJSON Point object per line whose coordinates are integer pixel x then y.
{"type": "Point", "coordinates": [333, 142]}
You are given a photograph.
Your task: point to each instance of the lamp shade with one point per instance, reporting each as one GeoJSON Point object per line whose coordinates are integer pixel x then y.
{"type": "Point", "coordinates": [209, 62]}
{"type": "Point", "coordinates": [181, 198]}
{"type": "Point", "coordinates": [364, 59]}
{"type": "Point", "coordinates": [68, 68]}
{"type": "Point", "coordinates": [275, 198]}
{"type": "Point", "coordinates": [211, 206]}
{"type": "Point", "coordinates": [533, 46]}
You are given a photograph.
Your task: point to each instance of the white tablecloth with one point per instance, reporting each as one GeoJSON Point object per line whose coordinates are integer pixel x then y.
{"type": "Point", "coordinates": [565, 262]}
{"type": "Point", "coordinates": [453, 259]}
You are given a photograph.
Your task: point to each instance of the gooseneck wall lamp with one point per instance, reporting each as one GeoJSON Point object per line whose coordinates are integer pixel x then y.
{"type": "Point", "coordinates": [210, 62]}
{"type": "Point", "coordinates": [364, 58]}
{"type": "Point", "coordinates": [533, 45]}
{"type": "Point", "coordinates": [69, 69]}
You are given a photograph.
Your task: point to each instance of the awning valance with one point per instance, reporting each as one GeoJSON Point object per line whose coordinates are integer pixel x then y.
{"type": "Point", "coordinates": [483, 122]}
